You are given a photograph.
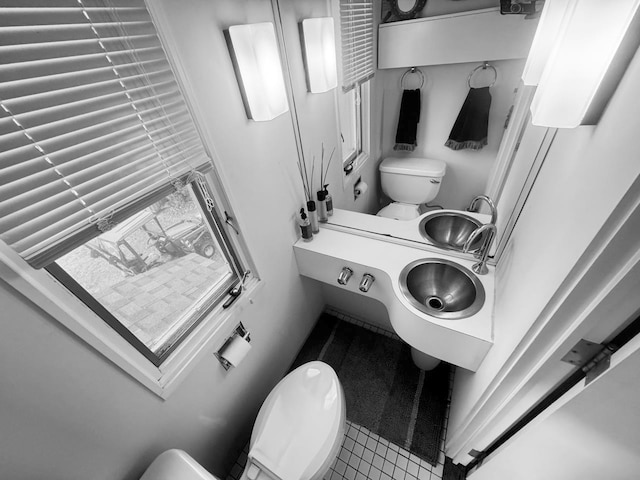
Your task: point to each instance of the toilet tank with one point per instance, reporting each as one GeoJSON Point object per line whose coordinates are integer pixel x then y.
{"type": "Point", "coordinates": [176, 464]}
{"type": "Point", "coordinates": [411, 180]}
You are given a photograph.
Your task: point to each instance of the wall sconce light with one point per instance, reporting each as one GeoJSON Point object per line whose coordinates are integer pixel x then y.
{"type": "Point", "coordinates": [259, 70]}
{"type": "Point", "coordinates": [585, 59]}
{"type": "Point", "coordinates": [320, 54]}
{"type": "Point", "coordinates": [544, 40]}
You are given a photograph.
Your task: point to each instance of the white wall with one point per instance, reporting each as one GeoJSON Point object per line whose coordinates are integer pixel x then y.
{"type": "Point", "coordinates": [366, 309]}
{"type": "Point", "coordinates": [68, 413]}
{"type": "Point", "coordinates": [587, 172]}
{"type": "Point", "coordinates": [444, 92]}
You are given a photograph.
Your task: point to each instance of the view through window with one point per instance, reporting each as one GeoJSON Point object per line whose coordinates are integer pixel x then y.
{"type": "Point", "coordinates": [156, 272]}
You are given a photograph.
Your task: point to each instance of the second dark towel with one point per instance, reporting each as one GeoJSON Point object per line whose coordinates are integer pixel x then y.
{"type": "Point", "coordinates": [406, 134]}
{"type": "Point", "coordinates": [471, 127]}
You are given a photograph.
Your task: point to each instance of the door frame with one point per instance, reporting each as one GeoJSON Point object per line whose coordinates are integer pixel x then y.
{"type": "Point", "coordinates": [510, 458]}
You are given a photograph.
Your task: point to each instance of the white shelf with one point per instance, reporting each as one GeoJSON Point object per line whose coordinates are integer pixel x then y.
{"type": "Point", "coordinates": [465, 37]}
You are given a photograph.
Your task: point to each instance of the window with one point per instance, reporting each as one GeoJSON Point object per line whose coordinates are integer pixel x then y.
{"type": "Point", "coordinates": [354, 124]}
{"type": "Point", "coordinates": [104, 180]}
{"type": "Point", "coordinates": [156, 274]}
{"type": "Point", "coordinates": [350, 119]}
{"type": "Point", "coordinates": [356, 26]}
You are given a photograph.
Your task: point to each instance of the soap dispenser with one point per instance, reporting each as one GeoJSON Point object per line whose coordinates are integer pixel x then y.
{"type": "Point", "coordinates": [328, 200]}
{"type": "Point", "coordinates": [305, 226]}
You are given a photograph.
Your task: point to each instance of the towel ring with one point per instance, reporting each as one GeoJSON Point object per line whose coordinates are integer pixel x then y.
{"type": "Point", "coordinates": [411, 71]}
{"type": "Point", "coordinates": [484, 66]}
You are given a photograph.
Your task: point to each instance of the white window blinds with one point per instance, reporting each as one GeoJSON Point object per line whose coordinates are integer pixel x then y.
{"type": "Point", "coordinates": [356, 28]}
{"type": "Point", "coordinates": [91, 119]}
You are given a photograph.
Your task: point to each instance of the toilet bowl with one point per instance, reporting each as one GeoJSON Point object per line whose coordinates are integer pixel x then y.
{"type": "Point", "coordinates": [296, 436]}
{"type": "Point", "coordinates": [409, 182]}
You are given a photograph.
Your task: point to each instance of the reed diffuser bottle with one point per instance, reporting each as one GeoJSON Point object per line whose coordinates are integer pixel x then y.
{"type": "Point", "coordinates": [322, 206]}
{"type": "Point", "coordinates": [313, 216]}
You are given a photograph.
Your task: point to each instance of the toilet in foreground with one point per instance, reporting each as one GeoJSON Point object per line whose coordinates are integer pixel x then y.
{"type": "Point", "coordinates": [297, 434]}
{"type": "Point", "coordinates": [409, 182]}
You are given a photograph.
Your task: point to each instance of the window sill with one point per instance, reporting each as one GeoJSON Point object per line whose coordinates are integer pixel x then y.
{"type": "Point", "coordinates": [47, 293]}
{"type": "Point", "coordinates": [349, 179]}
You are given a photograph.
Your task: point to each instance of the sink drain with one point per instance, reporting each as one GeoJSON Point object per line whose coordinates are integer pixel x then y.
{"type": "Point", "coordinates": [435, 303]}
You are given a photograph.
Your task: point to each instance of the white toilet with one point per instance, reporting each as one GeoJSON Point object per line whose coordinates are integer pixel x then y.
{"type": "Point", "coordinates": [409, 182]}
{"type": "Point", "coordinates": [297, 435]}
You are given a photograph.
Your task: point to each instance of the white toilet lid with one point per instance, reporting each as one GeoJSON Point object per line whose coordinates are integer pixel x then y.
{"type": "Point", "coordinates": [298, 422]}
{"type": "Point", "coordinates": [422, 167]}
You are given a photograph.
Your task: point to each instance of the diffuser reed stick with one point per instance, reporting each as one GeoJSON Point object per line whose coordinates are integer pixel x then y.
{"type": "Point", "coordinates": [307, 184]}
{"type": "Point", "coordinates": [323, 171]}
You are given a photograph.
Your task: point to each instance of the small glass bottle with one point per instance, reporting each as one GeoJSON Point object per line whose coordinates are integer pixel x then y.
{"type": "Point", "coordinates": [305, 226]}
{"type": "Point", "coordinates": [313, 216]}
{"type": "Point", "coordinates": [328, 200]}
{"type": "Point", "coordinates": [322, 206]}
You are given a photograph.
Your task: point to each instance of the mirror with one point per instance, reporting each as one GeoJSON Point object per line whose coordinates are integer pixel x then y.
{"type": "Point", "coordinates": [469, 172]}
{"type": "Point", "coordinates": [394, 10]}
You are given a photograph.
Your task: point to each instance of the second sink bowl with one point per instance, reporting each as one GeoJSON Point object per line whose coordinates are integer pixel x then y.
{"type": "Point", "coordinates": [442, 289]}
{"type": "Point", "coordinates": [450, 230]}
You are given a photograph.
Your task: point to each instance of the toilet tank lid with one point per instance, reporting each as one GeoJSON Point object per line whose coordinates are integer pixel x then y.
{"type": "Point", "coordinates": [173, 464]}
{"type": "Point", "coordinates": [423, 167]}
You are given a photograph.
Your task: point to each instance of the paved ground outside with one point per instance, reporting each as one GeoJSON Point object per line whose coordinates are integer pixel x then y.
{"type": "Point", "coordinates": [150, 303]}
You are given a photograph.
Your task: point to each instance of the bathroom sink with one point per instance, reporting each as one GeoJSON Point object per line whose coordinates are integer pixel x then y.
{"type": "Point", "coordinates": [442, 289]}
{"type": "Point", "coordinates": [450, 230]}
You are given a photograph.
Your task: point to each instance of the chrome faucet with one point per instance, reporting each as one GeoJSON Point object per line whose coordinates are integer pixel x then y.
{"type": "Point", "coordinates": [494, 212]}
{"type": "Point", "coordinates": [481, 267]}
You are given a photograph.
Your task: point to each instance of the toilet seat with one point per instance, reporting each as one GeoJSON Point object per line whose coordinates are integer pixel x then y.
{"type": "Point", "coordinates": [300, 426]}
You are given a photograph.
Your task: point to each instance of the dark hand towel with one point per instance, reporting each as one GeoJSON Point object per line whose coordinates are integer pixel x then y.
{"type": "Point", "coordinates": [408, 121]}
{"type": "Point", "coordinates": [472, 124]}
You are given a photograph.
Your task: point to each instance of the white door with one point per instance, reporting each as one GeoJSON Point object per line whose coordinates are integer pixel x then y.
{"type": "Point", "coordinates": [591, 432]}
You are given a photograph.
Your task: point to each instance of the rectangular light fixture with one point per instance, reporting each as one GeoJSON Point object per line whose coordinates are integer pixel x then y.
{"type": "Point", "coordinates": [544, 40]}
{"type": "Point", "coordinates": [577, 70]}
{"type": "Point", "coordinates": [320, 54]}
{"type": "Point", "coordinates": [259, 70]}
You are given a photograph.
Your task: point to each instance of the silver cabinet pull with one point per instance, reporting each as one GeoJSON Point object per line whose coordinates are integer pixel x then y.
{"type": "Point", "coordinates": [345, 275]}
